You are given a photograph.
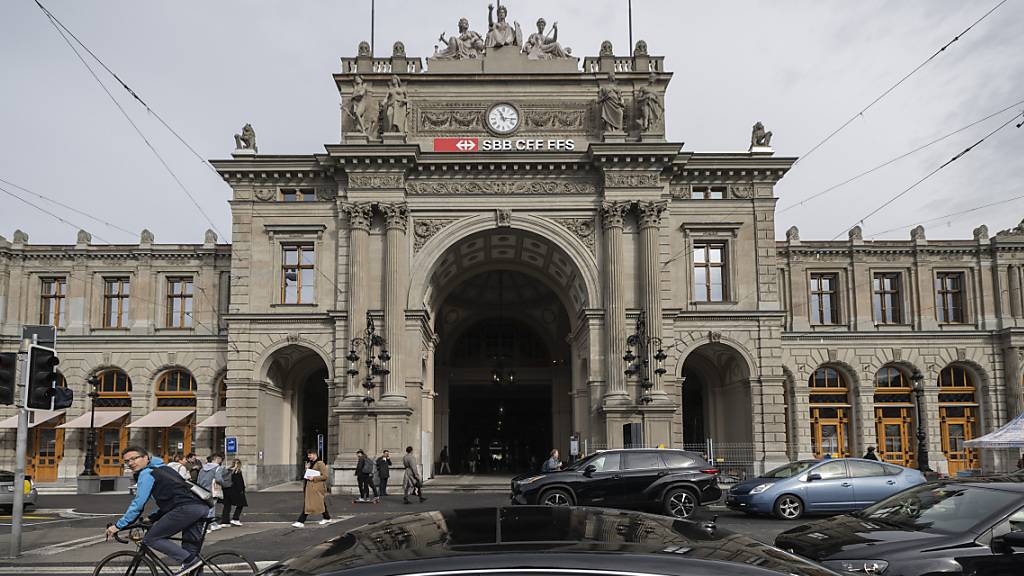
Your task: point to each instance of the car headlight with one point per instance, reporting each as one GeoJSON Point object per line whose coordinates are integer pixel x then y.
{"type": "Point", "coordinates": [858, 566]}
{"type": "Point", "coordinates": [530, 479]}
{"type": "Point", "coordinates": [762, 487]}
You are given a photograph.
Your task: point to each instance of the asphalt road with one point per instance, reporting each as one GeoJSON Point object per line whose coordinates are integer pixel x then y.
{"type": "Point", "coordinates": [63, 535]}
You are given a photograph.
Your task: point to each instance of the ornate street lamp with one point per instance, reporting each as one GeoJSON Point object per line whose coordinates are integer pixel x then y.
{"type": "Point", "coordinates": [639, 364]}
{"type": "Point", "coordinates": [377, 358]}
{"type": "Point", "coordinates": [917, 382]}
{"type": "Point", "coordinates": [90, 441]}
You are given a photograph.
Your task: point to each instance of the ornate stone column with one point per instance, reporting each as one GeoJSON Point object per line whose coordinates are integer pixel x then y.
{"type": "Point", "coordinates": [359, 214]}
{"type": "Point", "coordinates": [612, 216]}
{"type": "Point", "coordinates": [396, 216]}
{"type": "Point", "coordinates": [649, 216]}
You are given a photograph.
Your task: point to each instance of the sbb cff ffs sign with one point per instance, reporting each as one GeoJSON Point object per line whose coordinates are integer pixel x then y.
{"type": "Point", "coordinates": [468, 144]}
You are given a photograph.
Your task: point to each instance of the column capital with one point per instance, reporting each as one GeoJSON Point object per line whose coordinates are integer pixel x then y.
{"type": "Point", "coordinates": [613, 213]}
{"type": "Point", "coordinates": [396, 215]}
{"type": "Point", "coordinates": [650, 212]}
{"type": "Point", "coordinates": [359, 214]}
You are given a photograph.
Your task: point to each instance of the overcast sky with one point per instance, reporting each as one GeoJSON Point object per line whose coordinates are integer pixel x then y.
{"type": "Point", "coordinates": [803, 68]}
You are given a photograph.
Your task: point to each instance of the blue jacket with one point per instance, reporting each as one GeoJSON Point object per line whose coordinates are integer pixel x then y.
{"type": "Point", "coordinates": [168, 490]}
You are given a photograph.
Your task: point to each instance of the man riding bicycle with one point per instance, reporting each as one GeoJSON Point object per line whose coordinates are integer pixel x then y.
{"type": "Point", "coordinates": [178, 510]}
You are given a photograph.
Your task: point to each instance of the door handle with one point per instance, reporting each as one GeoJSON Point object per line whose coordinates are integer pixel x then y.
{"type": "Point", "coordinates": [846, 484]}
{"type": "Point", "coordinates": [890, 482]}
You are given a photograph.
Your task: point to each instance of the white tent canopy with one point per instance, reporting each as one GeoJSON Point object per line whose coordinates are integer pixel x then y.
{"type": "Point", "coordinates": [1011, 435]}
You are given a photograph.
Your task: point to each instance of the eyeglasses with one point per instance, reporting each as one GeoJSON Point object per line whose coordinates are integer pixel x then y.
{"type": "Point", "coordinates": [129, 461]}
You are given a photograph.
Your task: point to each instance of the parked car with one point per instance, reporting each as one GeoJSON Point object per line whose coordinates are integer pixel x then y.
{"type": "Point", "coordinates": [837, 485]}
{"type": "Point", "coordinates": [674, 482]}
{"type": "Point", "coordinates": [542, 541]}
{"type": "Point", "coordinates": [969, 527]}
{"type": "Point", "coordinates": [7, 490]}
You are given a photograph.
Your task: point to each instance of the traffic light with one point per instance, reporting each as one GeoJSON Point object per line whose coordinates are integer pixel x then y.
{"type": "Point", "coordinates": [41, 377]}
{"type": "Point", "coordinates": [8, 383]}
{"type": "Point", "coordinates": [62, 397]}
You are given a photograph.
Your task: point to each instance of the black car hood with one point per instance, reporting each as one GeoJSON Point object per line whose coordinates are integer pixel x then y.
{"type": "Point", "coordinates": [848, 536]}
{"type": "Point", "coordinates": [536, 529]}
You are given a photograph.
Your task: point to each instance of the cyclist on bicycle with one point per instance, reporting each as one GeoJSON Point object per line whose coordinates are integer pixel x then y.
{"type": "Point", "coordinates": [178, 510]}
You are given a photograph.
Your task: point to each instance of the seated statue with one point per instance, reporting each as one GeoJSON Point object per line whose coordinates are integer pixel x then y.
{"type": "Point", "coordinates": [760, 137]}
{"type": "Point", "coordinates": [247, 139]}
{"type": "Point", "coordinates": [467, 44]}
{"type": "Point", "coordinates": [539, 47]}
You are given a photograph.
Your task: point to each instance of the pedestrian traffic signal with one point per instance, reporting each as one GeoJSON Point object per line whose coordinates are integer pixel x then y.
{"type": "Point", "coordinates": [41, 377]}
{"type": "Point", "coordinates": [8, 381]}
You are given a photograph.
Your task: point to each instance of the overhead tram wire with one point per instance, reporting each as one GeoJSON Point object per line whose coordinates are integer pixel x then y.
{"type": "Point", "coordinates": [896, 159]}
{"type": "Point", "coordinates": [51, 214]}
{"type": "Point", "coordinates": [950, 215]}
{"type": "Point", "coordinates": [71, 208]}
{"type": "Point", "coordinates": [132, 122]}
{"type": "Point", "coordinates": [896, 85]}
{"type": "Point", "coordinates": [960, 155]}
{"type": "Point", "coordinates": [124, 85]}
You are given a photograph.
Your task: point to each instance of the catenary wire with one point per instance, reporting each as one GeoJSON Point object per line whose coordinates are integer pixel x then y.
{"type": "Point", "coordinates": [959, 155]}
{"type": "Point", "coordinates": [71, 208]}
{"type": "Point", "coordinates": [950, 215]}
{"type": "Point", "coordinates": [894, 86]}
{"type": "Point", "coordinates": [138, 131]}
{"type": "Point", "coordinates": [801, 203]}
{"type": "Point", "coordinates": [51, 214]}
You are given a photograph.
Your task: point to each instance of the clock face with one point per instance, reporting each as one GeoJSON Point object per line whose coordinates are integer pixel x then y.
{"type": "Point", "coordinates": [503, 118]}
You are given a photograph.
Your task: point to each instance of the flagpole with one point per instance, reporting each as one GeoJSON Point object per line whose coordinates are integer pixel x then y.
{"type": "Point", "coordinates": [372, 14]}
{"type": "Point", "coordinates": [630, 26]}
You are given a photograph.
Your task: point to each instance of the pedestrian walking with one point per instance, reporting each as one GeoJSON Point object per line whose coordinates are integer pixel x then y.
{"type": "Point", "coordinates": [314, 490]}
{"type": "Point", "coordinates": [234, 495]}
{"type": "Point", "coordinates": [211, 477]}
{"type": "Point", "coordinates": [194, 465]}
{"type": "Point", "coordinates": [178, 465]}
{"type": "Point", "coordinates": [552, 464]}
{"type": "Point", "coordinates": [364, 477]}
{"type": "Point", "coordinates": [411, 480]}
{"type": "Point", "coordinates": [870, 454]}
{"type": "Point", "coordinates": [383, 472]}
{"type": "Point", "coordinates": [1020, 462]}
{"type": "Point", "coordinates": [445, 468]}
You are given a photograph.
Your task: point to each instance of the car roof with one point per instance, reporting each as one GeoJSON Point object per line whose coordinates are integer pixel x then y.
{"type": "Point", "coordinates": [1010, 482]}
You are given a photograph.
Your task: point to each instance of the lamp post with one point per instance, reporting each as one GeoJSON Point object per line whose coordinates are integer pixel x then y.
{"type": "Point", "coordinates": [90, 442]}
{"type": "Point", "coordinates": [917, 381]}
{"type": "Point", "coordinates": [639, 364]}
{"type": "Point", "coordinates": [377, 357]}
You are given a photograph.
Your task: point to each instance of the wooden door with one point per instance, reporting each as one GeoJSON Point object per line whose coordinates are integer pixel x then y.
{"type": "Point", "coordinates": [957, 424]}
{"type": "Point", "coordinates": [167, 441]}
{"type": "Point", "coordinates": [895, 434]}
{"type": "Point", "coordinates": [109, 443]}
{"type": "Point", "coordinates": [830, 432]}
{"type": "Point", "coordinates": [45, 453]}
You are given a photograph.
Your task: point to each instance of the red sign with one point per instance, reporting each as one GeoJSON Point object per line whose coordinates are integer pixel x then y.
{"type": "Point", "coordinates": [456, 144]}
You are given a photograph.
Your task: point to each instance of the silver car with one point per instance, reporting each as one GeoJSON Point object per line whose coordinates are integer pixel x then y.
{"type": "Point", "coordinates": [7, 490]}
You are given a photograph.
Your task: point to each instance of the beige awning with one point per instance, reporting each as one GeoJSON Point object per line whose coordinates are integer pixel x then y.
{"type": "Point", "coordinates": [39, 417]}
{"type": "Point", "coordinates": [218, 420]}
{"type": "Point", "coordinates": [161, 418]}
{"type": "Point", "coordinates": [103, 418]}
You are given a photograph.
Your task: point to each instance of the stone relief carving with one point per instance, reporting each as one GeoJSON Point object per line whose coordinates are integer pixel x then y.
{"type": "Point", "coordinates": [446, 119]}
{"type": "Point", "coordinates": [631, 179]}
{"type": "Point", "coordinates": [714, 337]}
{"type": "Point", "coordinates": [640, 49]}
{"type": "Point", "coordinates": [498, 188]}
{"type": "Point", "coordinates": [742, 191]}
{"type": "Point", "coordinates": [613, 214]}
{"type": "Point", "coordinates": [356, 180]}
{"type": "Point", "coordinates": [610, 102]}
{"type": "Point", "coordinates": [468, 44]}
{"type": "Point", "coordinates": [539, 47]}
{"type": "Point", "coordinates": [247, 139]}
{"type": "Point", "coordinates": [396, 215]}
{"type": "Point", "coordinates": [503, 218]}
{"type": "Point", "coordinates": [555, 119]}
{"type": "Point", "coordinates": [793, 234]}
{"type": "Point", "coordinates": [361, 109]}
{"type": "Point", "coordinates": [917, 233]}
{"type": "Point", "coordinates": [759, 137]}
{"type": "Point", "coordinates": [425, 229]}
{"type": "Point", "coordinates": [856, 233]}
{"type": "Point", "coordinates": [326, 193]}
{"type": "Point", "coordinates": [606, 49]}
{"type": "Point", "coordinates": [360, 214]}
{"type": "Point", "coordinates": [583, 228]}
{"type": "Point", "coordinates": [398, 50]}
{"type": "Point", "coordinates": [981, 232]}
{"type": "Point", "coordinates": [265, 194]}
{"type": "Point", "coordinates": [648, 105]}
{"type": "Point", "coordinates": [650, 211]}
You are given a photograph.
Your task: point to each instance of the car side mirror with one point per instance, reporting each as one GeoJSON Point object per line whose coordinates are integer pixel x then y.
{"type": "Point", "coordinates": [1012, 540]}
{"type": "Point", "coordinates": [814, 476]}
{"type": "Point", "coordinates": [590, 469]}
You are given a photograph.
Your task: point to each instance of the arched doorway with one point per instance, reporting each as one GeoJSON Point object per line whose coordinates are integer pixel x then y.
{"type": "Point", "coordinates": [716, 405]}
{"type": "Point", "coordinates": [958, 416]}
{"type": "Point", "coordinates": [829, 399]}
{"type": "Point", "coordinates": [294, 415]}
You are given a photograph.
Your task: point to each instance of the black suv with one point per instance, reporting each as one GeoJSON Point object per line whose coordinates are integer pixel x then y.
{"type": "Point", "coordinates": [674, 482]}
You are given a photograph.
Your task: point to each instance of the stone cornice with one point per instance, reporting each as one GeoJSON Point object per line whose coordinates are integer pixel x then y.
{"type": "Point", "coordinates": [282, 318]}
{"type": "Point", "coordinates": [126, 253]}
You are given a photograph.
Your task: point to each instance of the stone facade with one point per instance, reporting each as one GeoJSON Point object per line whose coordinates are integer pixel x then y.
{"type": "Point", "coordinates": [394, 230]}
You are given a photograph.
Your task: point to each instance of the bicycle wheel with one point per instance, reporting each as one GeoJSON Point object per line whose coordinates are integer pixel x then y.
{"type": "Point", "coordinates": [228, 564]}
{"type": "Point", "coordinates": [125, 564]}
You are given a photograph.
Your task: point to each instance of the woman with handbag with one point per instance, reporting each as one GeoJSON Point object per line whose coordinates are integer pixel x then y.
{"type": "Point", "coordinates": [234, 494]}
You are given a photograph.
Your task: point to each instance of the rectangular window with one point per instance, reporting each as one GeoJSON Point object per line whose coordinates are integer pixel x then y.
{"type": "Point", "coordinates": [116, 292]}
{"type": "Point", "coordinates": [886, 287]}
{"type": "Point", "coordinates": [824, 306]}
{"type": "Point", "coordinates": [52, 305]}
{"type": "Point", "coordinates": [297, 274]}
{"type": "Point", "coordinates": [298, 195]}
{"type": "Point", "coordinates": [179, 302]}
{"type": "Point", "coordinates": [709, 272]}
{"type": "Point", "coordinates": [707, 192]}
{"type": "Point", "coordinates": [949, 297]}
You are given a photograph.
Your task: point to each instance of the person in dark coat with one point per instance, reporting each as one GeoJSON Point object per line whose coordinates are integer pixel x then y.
{"type": "Point", "coordinates": [870, 454]}
{"type": "Point", "coordinates": [364, 476]}
{"type": "Point", "coordinates": [234, 495]}
{"type": "Point", "coordinates": [445, 466]}
{"type": "Point", "coordinates": [383, 472]}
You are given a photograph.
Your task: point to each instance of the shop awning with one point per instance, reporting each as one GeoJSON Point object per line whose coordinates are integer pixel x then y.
{"type": "Point", "coordinates": [218, 420]}
{"type": "Point", "coordinates": [161, 418]}
{"type": "Point", "coordinates": [41, 417]}
{"type": "Point", "coordinates": [103, 418]}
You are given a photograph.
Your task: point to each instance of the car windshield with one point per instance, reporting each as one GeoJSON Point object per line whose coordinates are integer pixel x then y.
{"type": "Point", "coordinates": [582, 463]}
{"type": "Point", "coordinates": [789, 470]}
{"type": "Point", "coordinates": [947, 509]}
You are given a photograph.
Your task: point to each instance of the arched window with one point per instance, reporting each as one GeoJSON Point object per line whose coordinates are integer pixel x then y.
{"type": "Point", "coordinates": [958, 416]}
{"type": "Point", "coordinates": [114, 389]}
{"type": "Point", "coordinates": [830, 413]}
{"type": "Point", "coordinates": [114, 392]}
{"type": "Point", "coordinates": [894, 413]}
{"type": "Point", "coordinates": [222, 395]}
{"type": "Point", "coordinates": [176, 389]}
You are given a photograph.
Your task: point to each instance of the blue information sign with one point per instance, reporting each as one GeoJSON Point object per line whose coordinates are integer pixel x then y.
{"type": "Point", "coordinates": [231, 444]}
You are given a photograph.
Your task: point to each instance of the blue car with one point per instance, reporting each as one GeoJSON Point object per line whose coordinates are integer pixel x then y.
{"type": "Point", "coordinates": [836, 485]}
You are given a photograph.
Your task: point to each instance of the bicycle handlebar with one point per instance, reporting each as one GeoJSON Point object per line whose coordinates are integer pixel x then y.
{"type": "Point", "coordinates": [137, 525]}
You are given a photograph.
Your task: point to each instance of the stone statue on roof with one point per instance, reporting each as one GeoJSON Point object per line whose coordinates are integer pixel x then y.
{"type": "Point", "coordinates": [468, 44]}
{"type": "Point", "coordinates": [247, 139]}
{"type": "Point", "coordinates": [612, 107]}
{"type": "Point", "coordinates": [648, 104]}
{"type": "Point", "coordinates": [501, 33]}
{"type": "Point", "coordinates": [359, 108]}
{"type": "Point", "coordinates": [396, 107]}
{"type": "Point", "coordinates": [539, 47]}
{"type": "Point", "coordinates": [759, 137]}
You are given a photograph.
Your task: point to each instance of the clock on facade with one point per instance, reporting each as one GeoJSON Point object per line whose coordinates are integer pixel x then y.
{"type": "Point", "coordinates": [503, 118]}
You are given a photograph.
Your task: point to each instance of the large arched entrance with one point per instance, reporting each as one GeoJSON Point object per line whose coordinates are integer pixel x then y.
{"type": "Point", "coordinates": [717, 417]}
{"type": "Point", "coordinates": [294, 411]}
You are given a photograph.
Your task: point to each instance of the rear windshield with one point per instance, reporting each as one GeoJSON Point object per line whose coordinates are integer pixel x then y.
{"type": "Point", "coordinates": [944, 509]}
{"type": "Point", "coordinates": [789, 470]}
